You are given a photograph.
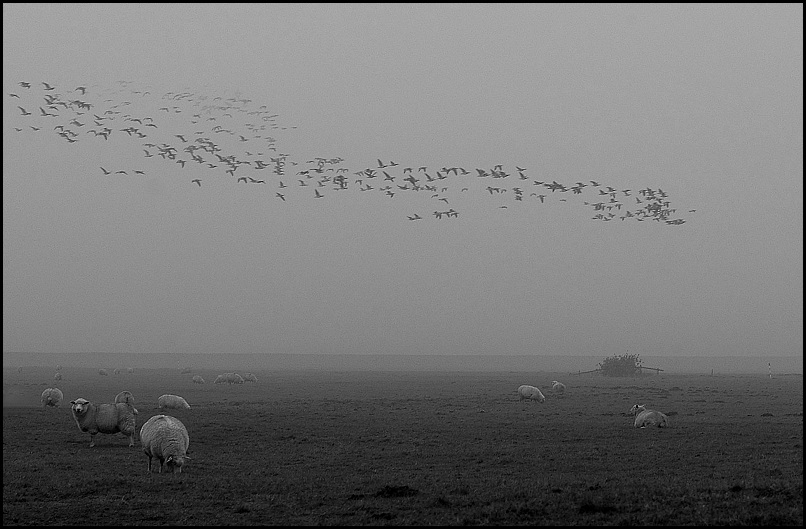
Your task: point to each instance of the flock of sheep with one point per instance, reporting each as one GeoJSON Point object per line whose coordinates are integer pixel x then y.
{"type": "Point", "coordinates": [165, 437]}
{"type": "Point", "coordinates": [162, 436]}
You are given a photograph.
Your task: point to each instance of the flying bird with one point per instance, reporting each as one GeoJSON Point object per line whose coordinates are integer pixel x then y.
{"type": "Point", "coordinates": [198, 181]}
{"type": "Point", "coordinates": [24, 112]}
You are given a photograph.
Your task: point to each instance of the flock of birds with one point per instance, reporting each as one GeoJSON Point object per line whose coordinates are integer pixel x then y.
{"type": "Point", "coordinates": [201, 137]}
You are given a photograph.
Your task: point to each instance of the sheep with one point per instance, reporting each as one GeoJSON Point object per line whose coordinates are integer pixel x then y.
{"type": "Point", "coordinates": [58, 367]}
{"type": "Point", "coordinates": [645, 417]}
{"type": "Point", "coordinates": [57, 376]}
{"type": "Point", "coordinates": [185, 370]}
{"type": "Point", "coordinates": [220, 379]}
{"type": "Point", "coordinates": [249, 377]}
{"type": "Point", "coordinates": [197, 379]}
{"type": "Point", "coordinates": [52, 397]}
{"type": "Point", "coordinates": [104, 418]}
{"type": "Point", "coordinates": [116, 371]}
{"type": "Point", "coordinates": [129, 370]}
{"type": "Point", "coordinates": [173, 401]}
{"type": "Point", "coordinates": [165, 438]}
{"type": "Point", "coordinates": [235, 378]}
{"type": "Point", "coordinates": [557, 387]}
{"type": "Point", "coordinates": [126, 397]}
{"type": "Point", "coordinates": [103, 372]}
{"type": "Point", "coordinates": [530, 393]}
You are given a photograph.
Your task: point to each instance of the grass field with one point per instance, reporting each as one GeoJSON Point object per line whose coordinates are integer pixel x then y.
{"type": "Point", "coordinates": [378, 448]}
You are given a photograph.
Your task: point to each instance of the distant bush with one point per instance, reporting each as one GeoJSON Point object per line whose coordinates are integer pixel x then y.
{"type": "Point", "coordinates": [626, 365]}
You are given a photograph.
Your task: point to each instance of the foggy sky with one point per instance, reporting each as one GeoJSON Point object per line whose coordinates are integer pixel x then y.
{"type": "Point", "coordinates": [703, 101]}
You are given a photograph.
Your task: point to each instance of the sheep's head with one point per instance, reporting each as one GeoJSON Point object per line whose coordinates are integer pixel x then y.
{"type": "Point", "coordinates": [637, 408]}
{"type": "Point", "coordinates": [80, 405]}
{"type": "Point", "coordinates": [176, 462]}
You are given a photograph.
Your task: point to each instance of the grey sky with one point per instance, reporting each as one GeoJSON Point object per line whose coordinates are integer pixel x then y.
{"type": "Point", "coordinates": [703, 101]}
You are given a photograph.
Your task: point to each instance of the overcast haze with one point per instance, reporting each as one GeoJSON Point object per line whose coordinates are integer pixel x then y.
{"type": "Point", "coordinates": [702, 101]}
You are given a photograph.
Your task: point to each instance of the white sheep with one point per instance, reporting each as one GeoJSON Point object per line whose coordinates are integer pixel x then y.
{"type": "Point", "coordinates": [116, 371]}
{"type": "Point", "coordinates": [129, 370]}
{"type": "Point", "coordinates": [52, 397]}
{"type": "Point", "coordinates": [173, 401]}
{"type": "Point", "coordinates": [59, 367]}
{"type": "Point", "coordinates": [57, 376]}
{"type": "Point", "coordinates": [197, 379]}
{"type": "Point", "coordinates": [530, 393]}
{"type": "Point", "coordinates": [645, 417]}
{"type": "Point", "coordinates": [103, 372]}
{"type": "Point", "coordinates": [235, 378]}
{"type": "Point", "coordinates": [104, 418]}
{"type": "Point", "coordinates": [557, 387]}
{"type": "Point", "coordinates": [165, 438]}
{"type": "Point", "coordinates": [220, 379]}
{"type": "Point", "coordinates": [249, 377]}
{"type": "Point", "coordinates": [126, 397]}
{"type": "Point", "coordinates": [185, 370]}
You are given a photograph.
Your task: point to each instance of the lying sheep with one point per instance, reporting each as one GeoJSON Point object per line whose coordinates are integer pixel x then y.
{"type": "Point", "coordinates": [104, 418]}
{"type": "Point", "coordinates": [52, 397]}
{"type": "Point", "coordinates": [249, 377]}
{"type": "Point", "coordinates": [557, 387]}
{"type": "Point", "coordinates": [126, 397]}
{"type": "Point", "coordinates": [57, 376]}
{"type": "Point", "coordinates": [103, 372]}
{"type": "Point", "coordinates": [645, 417]}
{"type": "Point", "coordinates": [165, 438]}
{"type": "Point", "coordinates": [173, 401]}
{"type": "Point", "coordinates": [530, 393]}
{"type": "Point", "coordinates": [197, 379]}
{"type": "Point", "coordinates": [129, 370]}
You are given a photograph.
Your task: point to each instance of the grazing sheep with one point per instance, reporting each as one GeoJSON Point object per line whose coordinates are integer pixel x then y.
{"type": "Point", "coordinates": [235, 378]}
{"type": "Point", "coordinates": [165, 438]}
{"type": "Point", "coordinates": [103, 372]}
{"type": "Point", "coordinates": [557, 387]}
{"type": "Point", "coordinates": [530, 393]}
{"type": "Point", "coordinates": [185, 370]}
{"type": "Point", "coordinates": [645, 417]}
{"type": "Point", "coordinates": [116, 371]}
{"type": "Point", "coordinates": [173, 401]}
{"type": "Point", "coordinates": [197, 379]}
{"type": "Point", "coordinates": [126, 397]}
{"type": "Point", "coordinates": [57, 376]}
{"type": "Point", "coordinates": [59, 367]}
{"type": "Point", "coordinates": [52, 397]}
{"type": "Point", "coordinates": [220, 379]}
{"type": "Point", "coordinates": [249, 377]}
{"type": "Point", "coordinates": [104, 418]}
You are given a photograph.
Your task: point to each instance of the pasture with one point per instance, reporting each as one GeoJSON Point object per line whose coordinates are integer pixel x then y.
{"type": "Point", "coordinates": [384, 448]}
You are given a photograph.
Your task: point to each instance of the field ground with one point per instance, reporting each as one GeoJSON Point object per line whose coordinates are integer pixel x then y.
{"type": "Point", "coordinates": [382, 448]}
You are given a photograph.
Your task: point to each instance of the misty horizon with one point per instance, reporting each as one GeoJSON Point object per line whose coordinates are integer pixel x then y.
{"type": "Point", "coordinates": [595, 179]}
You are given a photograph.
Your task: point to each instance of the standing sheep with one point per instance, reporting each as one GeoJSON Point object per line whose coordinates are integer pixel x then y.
{"type": "Point", "coordinates": [116, 371]}
{"type": "Point", "coordinates": [645, 417]}
{"type": "Point", "coordinates": [220, 379]}
{"type": "Point", "coordinates": [530, 393]}
{"type": "Point", "coordinates": [103, 372]}
{"type": "Point", "coordinates": [57, 376]}
{"type": "Point", "coordinates": [165, 438]}
{"type": "Point", "coordinates": [104, 418]}
{"type": "Point", "coordinates": [173, 401]}
{"type": "Point", "coordinates": [249, 377]}
{"type": "Point", "coordinates": [557, 387]}
{"type": "Point", "coordinates": [52, 397]}
{"type": "Point", "coordinates": [197, 379]}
